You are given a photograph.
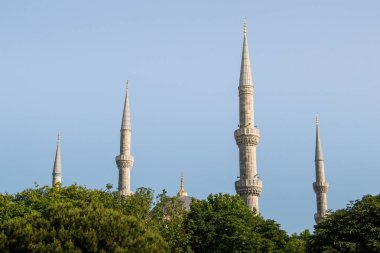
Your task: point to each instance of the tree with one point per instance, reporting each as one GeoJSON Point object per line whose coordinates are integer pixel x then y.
{"type": "Point", "coordinates": [222, 223]}
{"type": "Point", "coordinates": [353, 229]}
{"type": "Point", "coordinates": [297, 243]}
{"type": "Point", "coordinates": [169, 215]}
{"type": "Point", "coordinates": [76, 219]}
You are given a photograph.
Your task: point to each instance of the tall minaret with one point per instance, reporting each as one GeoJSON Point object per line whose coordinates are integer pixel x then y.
{"type": "Point", "coordinates": [57, 170]}
{"type": "Point", "coordinates": [321, 186]}
{"type": "Point", "coordinates": [124, 161]}
{"type": "Point", "coordinates": [249, 186]}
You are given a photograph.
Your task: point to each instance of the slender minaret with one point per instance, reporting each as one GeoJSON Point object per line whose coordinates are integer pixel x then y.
{"type": "Point", "coordinates": [57, 170]}
{"type": "Point", "coordinates": [182, 192]}
{"type": "Point", "coordinates": [249, 186]}
{"type": "Point", "coordinates": [124, 161]}
{"type": "Point", "coordinates": [321, 185]}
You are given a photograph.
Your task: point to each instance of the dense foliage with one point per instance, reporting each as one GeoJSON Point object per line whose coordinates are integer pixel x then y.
{"type": "Point", "coordinates": [77, 219]}
{"type": "Point", "coordinates": [353, 229]}
{"type": "Point", "coordinates": [170, 216]}
{"type": "Point", "coordinates": [222, 223]}
{"type": "Point", "coordinates": [298, 243]}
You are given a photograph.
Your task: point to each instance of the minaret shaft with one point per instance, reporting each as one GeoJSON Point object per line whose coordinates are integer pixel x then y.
{"type": "Point", "coordinates": [320, 186]}
{"type": "Point", "coordinates": [125, 141]}
{"type": "Point", "coordinates": [124, 180]}
{"type": "Point", "coordinates": [249, 186]}
{"type": "Point", "coordinates": [246, 110]}
{"type": "Point", "coordinates": [247, 157]}
{"type": "Point", "coordinates": [319, 171]}
{"type": "Point", "coordinates": [125, 160]}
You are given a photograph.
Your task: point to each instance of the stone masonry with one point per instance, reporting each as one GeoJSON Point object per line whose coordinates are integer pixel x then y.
{"type": "Point", "coordinates": [249, 186]}
{"type": "Point", "coordinates": [320, 185]}
{"type": "Point", "coordinates": [125, 160]}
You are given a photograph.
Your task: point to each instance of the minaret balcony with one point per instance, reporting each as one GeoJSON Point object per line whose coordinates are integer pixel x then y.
{"type": "Point", "coordinates": [249, 187]}
{"type": "Point", "coordinates": [247, 136]}
{"type": "Point", "coordinates": [321, 187]}
{"type": "Point", "coordinates": [124, 161]}
{"type": "Point", "coordinates": [247, 131]}
{"type": "Point", "coordinates": [320, 216]}
{"type": "Point", "coordinates": [245, 89]}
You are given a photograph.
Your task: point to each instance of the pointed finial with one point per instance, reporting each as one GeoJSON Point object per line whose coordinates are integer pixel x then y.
{"type": "Point", "coordinates": [182, 188]}
{"type": "Point", "coordinates": [245, 26]}
{"type": "Point", "coordinates": [59, 136]}
{"type": "Point", "coordinates": [127, 85]}
{"type": "Point", "coordinates": [317, 119]}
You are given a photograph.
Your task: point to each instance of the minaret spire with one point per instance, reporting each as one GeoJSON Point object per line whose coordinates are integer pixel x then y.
{"type": "Point", "coordinates": [320, 186]}
{"type": "Point", "coordinates": [57, 169]}
{"type": "Point", "coordinates": [249, 186]}
{"type": "Point", "coordinates": [125, 137]}
{"type": "Point", "coordinates": [318, 145]}
{"type": "Point", "coordinates": [182, 188]}
{"type": "Point", "coordinates": [125, 160]}
{"type": "Point", "coordinates": [245, 70]}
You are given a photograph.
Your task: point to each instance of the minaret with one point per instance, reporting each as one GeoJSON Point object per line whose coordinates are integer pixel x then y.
{"type": "Point", "coordinates": [321, 186]}
{"type": "Point", "coordinates": [249, 186]}
{"type": "Point", "coordinates": [182, 192]}
{"type": "Point", "coordinates": [124, 161]}
{"type": "Point", "coordinates": [57, 170]}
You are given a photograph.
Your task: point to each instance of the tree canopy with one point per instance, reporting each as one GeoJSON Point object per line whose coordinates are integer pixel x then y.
{"type": "Point", "coordinates": [353, 229]}
{"type": "Point", "coordinates": [77, 219]}
{"type": "Point", "coordinates": [222, 223]}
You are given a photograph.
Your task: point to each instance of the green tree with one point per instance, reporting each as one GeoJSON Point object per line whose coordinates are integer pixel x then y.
{"type": "Point", "coordinates": [222, 223]}
{"type": "Point", "coordinates": [76, 219]}
{"type": "Point", "coordinates": [297, 243]}
{"type": "Point", "coordinates": [169, 215]}
{"type": "Point", "coordinates": [353, 229]}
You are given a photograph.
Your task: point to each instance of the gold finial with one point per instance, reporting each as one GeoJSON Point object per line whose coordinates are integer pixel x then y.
{"type": "Point", "coordinates": [245, 26]}
{"type": "Point", "coordinates": [126, 85]}
{"type": "Point", "coordinates": [182, 188]}
{"type": "Point", "coordinates": [317, 119]}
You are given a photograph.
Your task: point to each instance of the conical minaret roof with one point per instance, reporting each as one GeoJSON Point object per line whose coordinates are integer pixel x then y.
{"type": "Point", "coordinates": [245, 70]}
{"type": "Point", "coordinates": [126, 121]}
{"type": "Point", "coordinates": [57, 169]}
{"type": "Point", "coordinates": [318, 144]}
{"type": "Point", "coordinates": [57, 162]}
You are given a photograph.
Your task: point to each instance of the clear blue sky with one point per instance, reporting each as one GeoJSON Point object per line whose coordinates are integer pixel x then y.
{"type": "Point", "coordinates": [64, 64]}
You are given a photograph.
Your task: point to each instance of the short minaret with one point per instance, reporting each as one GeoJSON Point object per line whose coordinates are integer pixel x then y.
{"type": "Point", "coordinates": [124, 161]}
{"type": "Point", "coordinates": [182, 192]}
{"type": "Point", "coordinates": [321, 185]}
{"type": "Point", "coordinates": [57, 170]}
{"type": "Point", "coordinates": [249, 186]}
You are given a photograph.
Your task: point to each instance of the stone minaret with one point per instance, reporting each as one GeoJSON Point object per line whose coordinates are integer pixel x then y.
{"type": "Point", "coordinates": [249, 186]}
{"type": "Point", "coordinates": [124, 161]}
{"type": "Point", "coordinates": [182, 192]}
{"type": "Point", "coordinates": [57, 170]}
{"type": "Point", "coordinates": [321, 185]}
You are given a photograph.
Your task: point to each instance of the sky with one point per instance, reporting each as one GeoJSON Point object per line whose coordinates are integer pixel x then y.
{"type": "Point", "coordinates": [63, 66]}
